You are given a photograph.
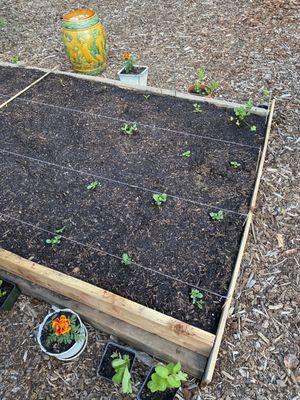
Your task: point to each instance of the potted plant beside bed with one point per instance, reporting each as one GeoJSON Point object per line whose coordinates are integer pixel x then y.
{"type": "Point", "coordinates": [162, 382]}
{"type": "Point", "coordinates": [116, 365]}
{"type": "Point", "coordinates": [202, 88]}
{"type": "Point", "coordinates": [62, 335]}
{"type": "Point", "coordinates": [8, 295]}
{"type": "Point", "coordinates": [131, 72]}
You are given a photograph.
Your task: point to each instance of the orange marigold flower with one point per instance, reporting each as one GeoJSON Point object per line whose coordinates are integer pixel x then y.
{"type": "Point", "coordinates": [61, 325]}
{"type": "Point", "coordinates": [126, 56]}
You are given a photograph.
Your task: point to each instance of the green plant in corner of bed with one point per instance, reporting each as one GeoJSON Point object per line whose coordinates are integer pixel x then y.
{"type": "Point", "coordinates": [159, 199]}
{"type": "Point", "coordinates": [2, 291]}
{"type": "Point", "coordinates": [166, 377]}
{"type": "Point", "coordinates": [56, 239]}
{"type": "Point", "coordinates": [121, 366]}
{"type": "Point", "coordinates": [242, 113]}
{"type": "Point", "coordinates": [129, 129]}
{"type": "Point", "coordinates": [197, 298]}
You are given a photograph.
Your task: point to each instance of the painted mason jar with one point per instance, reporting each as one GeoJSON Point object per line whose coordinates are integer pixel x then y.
{"type": "Point", "coordinates": [85, 41]}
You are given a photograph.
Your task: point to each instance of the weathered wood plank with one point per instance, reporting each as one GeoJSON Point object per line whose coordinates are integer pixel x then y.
{"type": "Point", "coordinates": [126, 310]}
{"type": "Point", "coordinates": [192, 362]}
{"type": "Point", "coordinates": [208, 374]}
{"type": "Point", "coordinates": [166, 92]}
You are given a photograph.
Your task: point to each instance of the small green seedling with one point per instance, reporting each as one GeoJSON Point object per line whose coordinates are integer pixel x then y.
{"type": "Point", "coordinates": [217, 216]}
{"type": "Point", "coordinates": [93, 185]}
{"type": "Point", "coordinates": [197, 108]}
{"type": "Point", "coordinates": [159, 199]}
{"type": "Point", "coordinates": [186, 154]}
{"type": "Point", "coordinates": [2, 291]}
{"type": "Point", "coordinates": [199, 80]}
{"type": "Point", "coordinates": [265, 93]}
{"type": "Point", "coordinates": [146, 96]}
{"type": "Point", "coordinates": [126, 259]}
{"type": "Point", "coordinates": [129, 129]}
{"type": "Point", "coordinates": [3, 23]}
{"type": "Point", "coordinates": [242, 113]}
{"type": "Point", "coordinates": [56, 240]}
{"type": "Point", "coordinates": [15, 59]}
{"type": "Point", "coordinates": [197, 298]}
{"type": "Point", "coordinates": [211, 87]}
{"type": "Point", "coordinates": [234, 164]}
{"type": "Point", "coordinates": [166, 377]}
{"type": "Point", "coordinates": [121, 365]}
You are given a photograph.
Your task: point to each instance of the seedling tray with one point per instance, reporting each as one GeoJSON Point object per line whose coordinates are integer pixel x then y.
{"type": "Point", "coordinates": [63, 133]}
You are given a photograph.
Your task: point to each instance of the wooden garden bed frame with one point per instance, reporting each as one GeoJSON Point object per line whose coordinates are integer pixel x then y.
{"type": "Point", "coordinates": [146, 329]}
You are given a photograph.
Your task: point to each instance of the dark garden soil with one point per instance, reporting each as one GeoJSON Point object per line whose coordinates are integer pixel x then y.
{"type": "Point", "coordinates": [55, 347]}
{"type": "Point", "coordinates": [7, 288]}
{"type": "Point", "coordinates": [49, 154]}
{"type": "Point", "coordinates": [135, 71]}
{"type": "Point", "coordinates": [105, 368]}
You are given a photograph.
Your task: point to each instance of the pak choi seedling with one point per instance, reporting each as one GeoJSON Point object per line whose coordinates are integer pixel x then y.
{"type": "Point", "coordinates": [217, 216]}
{"type": "Point", "coordinates": [129, 129]}
{"type": "Point", "coordinates": [197, 298]}
{"type": "Point", "coordinates": [126, 259]}
{"type": "Point", "coordinates": [234, 164]}
{"type": "Point", "coordinates": [159, 199]}
{"type": "Point", "coordinates": [56, 239]}
{"type": "Point", "coordinates": [186, 154]}
{"type": "Point", "coordinates": [93, 185]}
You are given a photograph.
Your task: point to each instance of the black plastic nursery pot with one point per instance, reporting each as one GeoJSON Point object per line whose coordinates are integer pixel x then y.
{"type": "Point", "coordinates": [7, 301]}
{"type": "Point", "coordinates": [105, 370]}
{"type": "Point", "coordinates": [145, 393]}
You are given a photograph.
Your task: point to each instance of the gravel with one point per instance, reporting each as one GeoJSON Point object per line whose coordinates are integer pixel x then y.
{"type": "Point", "coordinates": [247, 46]}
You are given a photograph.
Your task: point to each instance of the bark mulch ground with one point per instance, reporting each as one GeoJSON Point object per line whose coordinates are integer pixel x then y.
{"type": "Point", "coordinates": [245, 47]}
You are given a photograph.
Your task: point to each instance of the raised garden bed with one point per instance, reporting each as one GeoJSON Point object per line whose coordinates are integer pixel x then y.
{"type": "Point", "coordinates": [65, 132]}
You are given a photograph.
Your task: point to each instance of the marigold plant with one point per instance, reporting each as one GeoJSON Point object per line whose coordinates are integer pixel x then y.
{"type": "Point", "coordinates": [129, 62]}
{"type": "Point", "coordinates": [64, 330]}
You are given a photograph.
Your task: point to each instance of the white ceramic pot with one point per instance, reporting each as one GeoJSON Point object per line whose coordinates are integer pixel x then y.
{"type": "Point", "coordinates": [132, 79]}
{"type": "Point", "coordinates": [73, 351]}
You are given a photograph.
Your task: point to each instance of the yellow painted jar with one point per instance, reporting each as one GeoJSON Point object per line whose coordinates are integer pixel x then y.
{"type": "Point", "coordinates": [85, 41]}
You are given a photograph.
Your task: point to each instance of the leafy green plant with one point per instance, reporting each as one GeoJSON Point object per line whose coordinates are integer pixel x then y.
{"type": "Point", "coordinates": [217, 216]}
{"type": "Point", "coordinates": [2, 291]}
{"type": "Point", "coordinates": [199, 80]}
{"type": "Point", "coordinates": [56, 239]}
{"type": "Point", "coordinates": [129, 129]}
{"type": "Point", "coordinates": [3, 22]}
{"type": "Point", "coordinates": [234, 164]}
{"type": "Point", "coordinates": [166, 377]}
{"type": "Point", "coordinates": [121, 365]}
{"type": "Point", "coordinates": [197, 108]}
{"type": "Point", "coordinates": [197, 298]}
{"type": "Point", "coordinates": [159, 199]}
{"type": "Point", "coordinates": [15, 59]}
{"type": "Point", "coordinates": [64, 330]}
{"type": "Point", "coordinates": [186, 154]}
{"type": "Point", "coordinates": [126, 259]}
{"type": "Point", "coordinates": [241, 114]}
{"type": "Point", "coordinates": [211, 87]}
{"type": "Point", "coordinates": [93, 185]}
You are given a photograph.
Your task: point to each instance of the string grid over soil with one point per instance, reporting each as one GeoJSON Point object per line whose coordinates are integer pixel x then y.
{"type": "Point", "coordinates": [258, 49]}
{"type": "Point", "coordinates": [175, 247]}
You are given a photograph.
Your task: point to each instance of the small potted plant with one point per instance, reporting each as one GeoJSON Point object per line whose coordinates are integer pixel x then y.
{"type": "Point", "coordinates": [116, 365]}
{"type": "Point", "coordinates": [132, 73]}
{"type": "Point", "coordinates": [62, 335]}
{"type": "Point", "coordinates": [8, 295]}
{"type": "Point", "coordinates": [200, 87]}
{"type": "Point", "coordinates": [162, 382]}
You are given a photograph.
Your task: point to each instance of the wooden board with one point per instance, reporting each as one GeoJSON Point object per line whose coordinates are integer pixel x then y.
{"type": "Point", "coordinates": [166, 327]}
{"type": "Point", "coordinates": [192, 362]}
{"type": "Point", "coordinates": [167, 92]}
{"type": "Point", "coordinates": [207, 377]}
